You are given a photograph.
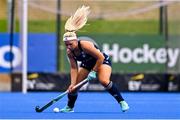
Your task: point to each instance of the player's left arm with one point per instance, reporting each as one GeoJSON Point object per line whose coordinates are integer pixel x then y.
{"type": "Point", "coordinates": [89, 48]}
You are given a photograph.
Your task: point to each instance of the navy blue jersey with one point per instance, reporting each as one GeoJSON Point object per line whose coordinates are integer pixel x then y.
{"type": "Point", "coordinates": [87, 60]}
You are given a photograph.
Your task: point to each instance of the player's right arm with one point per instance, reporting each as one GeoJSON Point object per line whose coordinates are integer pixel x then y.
{"type": "Point", "coordinates": [73, 69]}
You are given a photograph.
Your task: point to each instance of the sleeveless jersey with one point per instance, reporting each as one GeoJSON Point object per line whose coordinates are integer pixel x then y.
{"type": "Point", "coordinates": [87, 60]}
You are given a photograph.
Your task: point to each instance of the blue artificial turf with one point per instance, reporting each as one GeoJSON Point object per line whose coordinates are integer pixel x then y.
{"type": "Point", "coordinates": [91, 105]}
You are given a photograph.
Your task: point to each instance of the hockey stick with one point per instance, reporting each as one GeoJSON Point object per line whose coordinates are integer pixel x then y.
{"type": "Point", "coordinates": [79, 85]}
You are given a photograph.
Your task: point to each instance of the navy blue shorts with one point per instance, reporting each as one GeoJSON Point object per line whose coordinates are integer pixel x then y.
{"type": "Point", "coordinates": [90, 64]}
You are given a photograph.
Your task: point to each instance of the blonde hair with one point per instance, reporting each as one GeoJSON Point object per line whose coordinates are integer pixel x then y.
{"type": "Point", "coordinates": [76, 21]}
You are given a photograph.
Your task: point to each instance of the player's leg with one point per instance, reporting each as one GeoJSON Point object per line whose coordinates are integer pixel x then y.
{"type": "Point", "coordinates": [82, 74]}
{"type": "Point", "coordinates": [104, 74]}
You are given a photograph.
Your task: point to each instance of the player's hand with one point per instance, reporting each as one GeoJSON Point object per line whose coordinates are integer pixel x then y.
{"type": "Point", "coordinates": [92, 75]}
{"type": "Point", "coordinates": [70, 89]}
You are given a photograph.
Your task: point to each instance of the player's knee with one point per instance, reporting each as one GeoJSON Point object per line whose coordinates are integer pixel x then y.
{"type": "Point", "coordinates": [109, 85]}
{"type": "Point", "coordinates": [104, 82]}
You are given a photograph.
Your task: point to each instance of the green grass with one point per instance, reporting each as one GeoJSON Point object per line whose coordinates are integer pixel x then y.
{"type": "Point", "coordinates": [3, 26]}
{"type": "Point", "coordinates": [98, 27]}
{"type": "Point", "coordinates": [122, 27]}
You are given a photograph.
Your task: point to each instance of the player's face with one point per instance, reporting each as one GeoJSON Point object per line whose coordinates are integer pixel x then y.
{"type": "Point", "coordinates": [71, 44]}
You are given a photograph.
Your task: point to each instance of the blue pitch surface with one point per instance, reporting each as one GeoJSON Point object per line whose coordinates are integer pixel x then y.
{"type": "Point", "coordinates": [95, 105]}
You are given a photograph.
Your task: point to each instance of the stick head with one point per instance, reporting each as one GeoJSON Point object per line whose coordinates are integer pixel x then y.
{"type": "Point", "coordinates": [38, 109]}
